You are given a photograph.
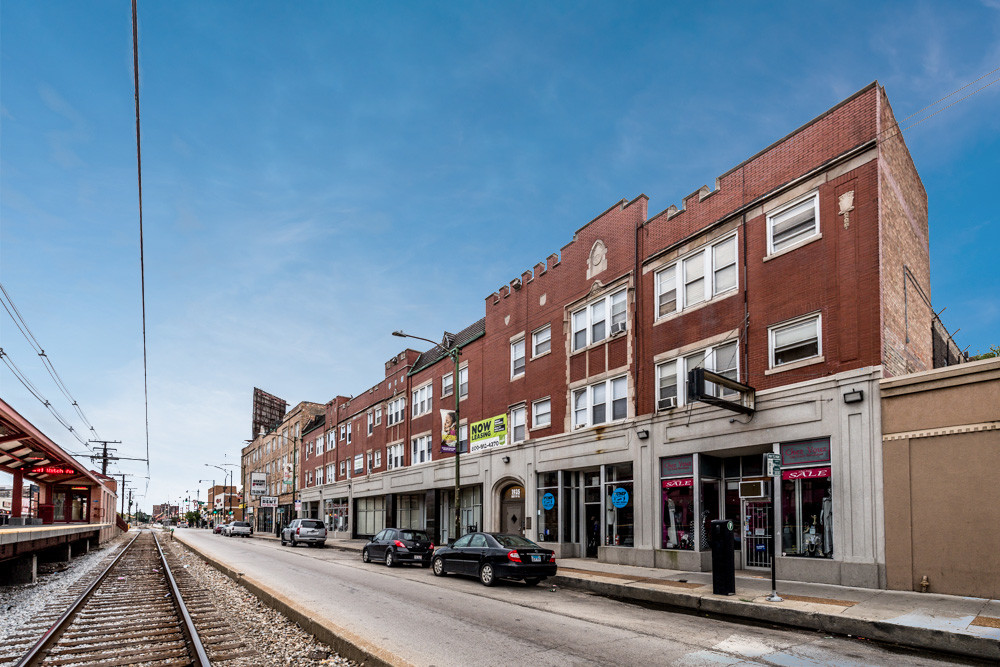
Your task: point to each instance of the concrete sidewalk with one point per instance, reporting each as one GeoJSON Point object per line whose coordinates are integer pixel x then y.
{"type": "Point", "coordinates": [960, 625]}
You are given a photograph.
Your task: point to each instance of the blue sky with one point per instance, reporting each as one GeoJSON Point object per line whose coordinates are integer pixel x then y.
{"type": "Point", "coordinates": [318, 174]}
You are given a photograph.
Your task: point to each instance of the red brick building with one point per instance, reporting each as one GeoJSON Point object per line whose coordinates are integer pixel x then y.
{"type": "Point", "coordinates": [804, 273]}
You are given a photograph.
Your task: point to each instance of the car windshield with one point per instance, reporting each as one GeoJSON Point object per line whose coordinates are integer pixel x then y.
{"type": "Point", "coordinates": [242, 524]}
{"type": "Point", "coordinates": [312, 524]}
{"type": "Point", "coordinates": [414, 535]}
{"type": "Point", "coordinates": [513, 541]}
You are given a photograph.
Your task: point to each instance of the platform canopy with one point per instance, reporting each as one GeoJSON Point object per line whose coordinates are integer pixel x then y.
{"type": "Point", "coordinates": [26, 450]}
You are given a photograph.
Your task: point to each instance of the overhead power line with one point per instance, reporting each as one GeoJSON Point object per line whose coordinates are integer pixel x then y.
{"type": "Point", "coordinates": [23, 379]}
{"type": "Point", "coordinates": [897, 126]}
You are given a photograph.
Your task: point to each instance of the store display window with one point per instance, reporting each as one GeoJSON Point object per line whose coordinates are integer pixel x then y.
{"type": "Point", "coordinates": [807, 499]}
{"type": "Point", "coordinates": [677, 486]}
{"type": "Point", "coordinates": [619, 505]}
{"type": "Point", "coordinates": [548, 507]}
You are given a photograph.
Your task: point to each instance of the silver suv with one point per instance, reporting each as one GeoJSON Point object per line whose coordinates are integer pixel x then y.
{"type": "Point", "coordinates": [237, 529]}
{"type": "Point", "coordinates": [304, 531]}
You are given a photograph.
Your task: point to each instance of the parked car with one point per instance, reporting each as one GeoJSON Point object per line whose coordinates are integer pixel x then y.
{"type": "Point", "coordinates": [304, 531]}
{"type": "Point", "coordinates": [238, 529]}
{"type": "Point", "coordinates": [495, 556]}
{"type": "Point", "coordinates": [399, 545]}
{"type": "Point", "coordinates": [218, 528]}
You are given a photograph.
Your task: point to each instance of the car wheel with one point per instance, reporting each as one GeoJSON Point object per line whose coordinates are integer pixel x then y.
{"type": "Point", "coordinates": [439, 567]}
{"type": "Point", "coordinates": [283, 542]}
{"type": "Point", "coordinates": [390, 558]}
{"type": "Point", "coordinates": [365, 556]}
{"type": "Point", "coordinates": [533, 581]}
{"type": "Point", "coordinates": [487, 575]}
{"type": "Point", "coordinates": [294, 543]}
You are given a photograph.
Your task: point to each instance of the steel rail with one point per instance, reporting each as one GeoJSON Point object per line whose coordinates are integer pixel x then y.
{"type": "Point", "coordinates": [201, 656]}
{"type": "Point", "coordinates": [53, 633]}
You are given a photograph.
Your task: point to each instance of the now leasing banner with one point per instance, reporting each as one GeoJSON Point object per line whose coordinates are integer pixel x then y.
{"type": "Point", "coordinates": [488, 434]}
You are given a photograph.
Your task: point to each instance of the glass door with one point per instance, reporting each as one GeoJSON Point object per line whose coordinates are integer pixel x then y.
{"type": "Point", "coordinates": [757, 533]}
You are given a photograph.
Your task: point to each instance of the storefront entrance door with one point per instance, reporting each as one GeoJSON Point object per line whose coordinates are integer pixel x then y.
{"type": "Point", "coordinates": [512, 510]}
{"type": "Point", "coordinates": [757, 533]}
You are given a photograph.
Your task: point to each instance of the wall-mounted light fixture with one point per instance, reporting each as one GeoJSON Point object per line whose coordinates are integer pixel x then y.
{"type": "Point", "coordinates": [506, 459]}
{"type": "Point", "coordinates": [642, 433]}
{"type": "Point", "coordinates": [855, 396]}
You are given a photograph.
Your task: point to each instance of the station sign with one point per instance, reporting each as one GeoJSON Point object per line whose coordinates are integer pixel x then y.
{"type": "Point", "coordinates": [53, 470]}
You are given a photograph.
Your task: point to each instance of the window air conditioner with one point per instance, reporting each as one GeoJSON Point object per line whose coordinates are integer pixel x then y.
{"type": "Point", "coordinates": [666, 403]}
{"type": "Point", "coordinates": [755, 489]}
{"type": "Point", "coordinates": [618, 327]}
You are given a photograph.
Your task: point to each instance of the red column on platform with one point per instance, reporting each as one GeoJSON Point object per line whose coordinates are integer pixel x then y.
{"type": "Point", "coordinates": [15, 497]}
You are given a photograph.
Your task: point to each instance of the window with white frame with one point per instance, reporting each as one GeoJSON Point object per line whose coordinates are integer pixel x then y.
{"type": "Point", "coordinates": [319, 444]}
{"type": "Point", "coordinates": [378, 459]}
{"type": "Point", "coordinates": [370, 468]}
{"type": "Point", "coordinates": [342, 467]}
{"type": "Point", "coordinates": [349, 433]}
{"type": "Point", "coordinates": [672, 375]}
{"type": "Point", "coordinates": [422, 399]}
{"type": "Point", "coordinates": [463, 439]}
{"type": "Point", "coordinates": [793, 223]}
{"type": "Point", "coordinates": [394, 456]}
{"type": "Point", "coordinates": [599, 319]}
{"type": "Point", "coordinates": [420, 450]}
{"type": "Point", "coordinates": [371, 422]}
{"type": "Point", "coordinates": [309, 451]}
{"type": "Point", "coordinates": [343, 432]}
{"type": "Point", "coordinates": [331, 440]}
{"type": "Point", "coordinates": [395, 411]}
{"type": "Point", "coordinates": [463, 382]}
{"type": "Point", "coordinates": [378, 415]}
{"type": "Point", "coordinates": [541, 341]}
{"type": "Point", "coordinates": [309, 482]}
{"type": "Point", "coordinates": [541, 413]}
{"type": "Point", "coordinates": [697, 277]}
{"type": "Point", "coordinates": [447, 384]}
{"type": "Point", "coordinates": [796, 340]}
{"type": "Point", "coordinates": [601, 403]}
{"type": "Point", "coordinates": [517, 358]}
{"type": "Point", "coordinates": [518, 426]}
{"type": "Point", "coordinates": [331, 472]}
{"type": "Point", "coordinates": [359, 464]}
{"type": "Point", "coordinates": [319, 476]}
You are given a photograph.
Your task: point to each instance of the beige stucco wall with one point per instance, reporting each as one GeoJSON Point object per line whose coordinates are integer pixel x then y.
{"type": "Point", "coordinates": [941, 455]}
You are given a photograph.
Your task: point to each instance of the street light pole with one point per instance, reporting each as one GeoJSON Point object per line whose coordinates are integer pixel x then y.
{"type": "Point", "coordinates": [454, 351]}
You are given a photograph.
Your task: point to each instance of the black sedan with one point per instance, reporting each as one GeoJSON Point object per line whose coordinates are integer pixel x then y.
{"type": "Point", "coordinates": [495, 556]}
{"type": "Point", "coordinates": [399, 545]}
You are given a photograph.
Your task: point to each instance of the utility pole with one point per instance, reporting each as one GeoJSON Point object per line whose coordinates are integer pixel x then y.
{"type": "Point", "coordinates": [104, 456]}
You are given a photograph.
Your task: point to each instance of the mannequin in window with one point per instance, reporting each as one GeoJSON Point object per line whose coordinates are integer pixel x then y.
{"type": "Point", "coordinates": [826, 518]}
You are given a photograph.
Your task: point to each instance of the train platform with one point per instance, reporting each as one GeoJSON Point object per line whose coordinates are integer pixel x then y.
{"type": "Point", "coordinates": [965, 626]}
{"type": "Point", "coordinates": [22, 547]}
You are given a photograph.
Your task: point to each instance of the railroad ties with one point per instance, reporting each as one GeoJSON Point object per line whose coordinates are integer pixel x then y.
{"type": "Point", "coordinates": [141, 610]}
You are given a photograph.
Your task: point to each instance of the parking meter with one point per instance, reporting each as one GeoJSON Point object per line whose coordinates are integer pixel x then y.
{"type": "Point", "coordinates": [723, 569]}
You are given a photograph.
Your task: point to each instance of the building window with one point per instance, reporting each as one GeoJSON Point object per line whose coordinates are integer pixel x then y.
{"type": "Point", "coordinates": [548, 504]}
{"type": "Point", "coordinates": [541, 413]}
{"type": "Point", "coordinates": [310, 480]}
{"type": "Point", "coordinates": [677, 497]}
{"type": "Point", "coordinates": [395, 411]}
{"type": "Point", "coordinates": [703, 275]}
{"type": "Point", "coordinates": [795, 341]}
{"type": "Point", "coordinates": [618, 499]}
{"type": "Point", "coordinates": [600, 403]}
{"type": "Point", "coordinates": [319, 444]}
{"type": "Point", "coordinates": [422, 399]}
{"type": "Point", "coordinates": [359, 464]}
{"type": "Point", "coordinates": [378, 415]}
{"type": "Point", "coordinates": [319, 475]}
{"type": "Point", "coordinates": [793, 224]}
{"type": "Point", "coordinates": [343, 432]}
{"type": "Point", "coordinates": [371, 422]}
{"type": "Point", "coordinates": [670, 375]}
{"type": "Point", "coordinates": [590, 323]}
{"type": "Point", "coordinates": [463, 382]}
{"type": "Point", "coordinates": [541, 341]}
{"type": "Point", "coordinates": [370, 467]}
{"type": "Point", "coordinates": [807, 499]}
{"type": "Point", "coordinates": [463, 439]}
{"type": "Point", "coordinates": [517, 358]}
{"type": "Point", "coordinates": [342, 466]}
{"type": "Point", "coordinates": [517, 424]}
{"type": "Point", "coordinates": [394, 456]}
{"type": "Point", "coordinates": [420, 450]}
{"type": "Point", "coordinates": [378, 459]}
{"type": "Point", "coordinates": [447, 384]}
{"type": "Point", "coordinates": [349, 433]}
{"type": "Point", "coordinates": [331, 472]}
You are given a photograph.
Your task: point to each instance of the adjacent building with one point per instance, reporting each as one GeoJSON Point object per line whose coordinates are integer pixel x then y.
{"type": "Point", "coordinates": [801, 280]}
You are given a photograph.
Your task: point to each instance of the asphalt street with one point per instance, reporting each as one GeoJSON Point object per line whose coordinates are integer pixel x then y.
{"type": "Point", "coordinates": [428, 620]}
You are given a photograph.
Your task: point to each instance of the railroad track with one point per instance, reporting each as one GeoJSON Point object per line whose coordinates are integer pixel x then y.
{"type": "Point", "coordinates": [138, 611]}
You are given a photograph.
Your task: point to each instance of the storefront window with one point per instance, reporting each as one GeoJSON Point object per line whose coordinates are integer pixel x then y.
{"type": "Point", "coordinates": [370, 515]}
{"type": "Point", "coordinates": [619, 505]}
{"type": "Point", "coordinates": [410, 511]}
{"type": "Point", "coordinates": [472, 508]}
{"type": "Point", "coordinates": [339, 511]}
{"type": "Point", "coordinates": [806, 499]}
{"type": "Point", "coordinates": [710, 493]}
{"type": "Point", "coordinates": [548, 507]}
{"type": "Point", "coordinates": [677, 488]}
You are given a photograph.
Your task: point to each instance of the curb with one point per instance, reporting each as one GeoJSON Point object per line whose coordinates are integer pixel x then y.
{"type": "Point", "coordinates": [882, 631]}
{"type": "Point", "coordinates": [343, 641]}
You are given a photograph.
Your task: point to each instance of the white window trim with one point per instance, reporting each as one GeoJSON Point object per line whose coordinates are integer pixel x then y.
{"type": "Point", "coordinates": [449, 390]}
{"type": "Point", "coordinates": [681, 374]}
{"type": "Point", "coordinates": [798, 363]}
{"type": "Point", "coordinates": [524, 357]}
{"type": "Point", "coordinates": [425, 438]}
{"type": "Point", "coordinates": [464, 368]}
{"type": "Point", "coordinates": [609, 402]}
{"type": "Point", "coordinates": [785, 207]}
{"type": "Point", "coordinates": [708, 265]}
{"type": "Point", "coordinates": [534, 343]}
{"type": "Point", "coordinates": [524, 423]}
{"type": "Point", "coordinates": [427, 387]}
{"type": "Point", "coordinates": [586, 308]}
{"type": "Point", "coordinates": [534, 413]}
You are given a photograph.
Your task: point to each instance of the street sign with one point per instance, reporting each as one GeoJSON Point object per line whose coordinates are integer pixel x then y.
{"type": "Point", "coordinates": [773, 464]}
